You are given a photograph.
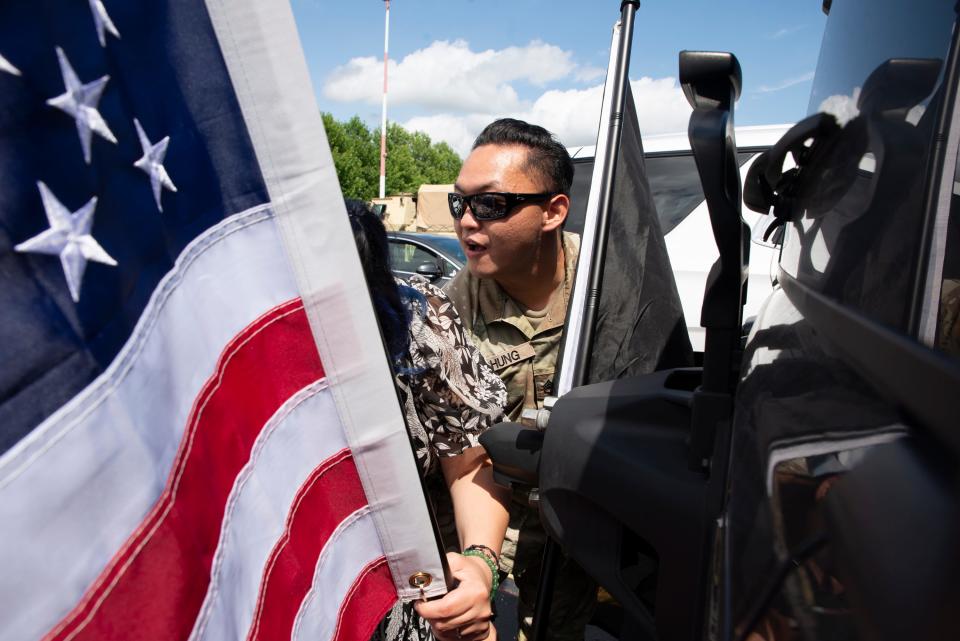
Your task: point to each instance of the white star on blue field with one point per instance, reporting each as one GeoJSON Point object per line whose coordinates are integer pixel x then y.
{"type": "Point", "coordinates": [102, 22]}
{"type": "Point", "coordinates": [151, 163]}
{"type": "Point", "coordinates": [69, 238]}
{"type": "Point", "coordinates": [80, 101]}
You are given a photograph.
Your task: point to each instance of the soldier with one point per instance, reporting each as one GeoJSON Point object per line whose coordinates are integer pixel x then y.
{"type": "Point", "coordinates": [510, 203]}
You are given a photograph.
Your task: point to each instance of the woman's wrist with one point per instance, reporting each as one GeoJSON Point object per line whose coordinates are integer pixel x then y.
{"type": "Point", "coordinates": [483, 569]}
{"type": "Point", "coordinates": [487, 552]}
{"type": "Point", "coordinates": [483, 560]}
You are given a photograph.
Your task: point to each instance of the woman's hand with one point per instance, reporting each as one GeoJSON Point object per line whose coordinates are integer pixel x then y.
{"type": "Point", "coordinates": [464, 612]}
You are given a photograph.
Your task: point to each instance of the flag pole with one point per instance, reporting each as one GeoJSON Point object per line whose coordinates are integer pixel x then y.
{"type": "Point", "coordinates": [620, 86]}
{"type": "Point", "coordinates": [585, 296]}
{"type": "Point", "coordinates": [383, 118]}
{"type": "Point", "coordinates": [584, 299]}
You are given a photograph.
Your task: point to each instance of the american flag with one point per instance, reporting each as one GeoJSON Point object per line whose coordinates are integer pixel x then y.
{"type": "Point", "coordinates": [199, 435]}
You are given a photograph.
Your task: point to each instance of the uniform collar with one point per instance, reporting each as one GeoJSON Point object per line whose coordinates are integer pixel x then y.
{"type": "Point", "coordinates": [496, 306]}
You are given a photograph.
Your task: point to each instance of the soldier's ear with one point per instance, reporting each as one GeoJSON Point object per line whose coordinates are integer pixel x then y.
{"type": "Point", "coordinates": [555, 213]}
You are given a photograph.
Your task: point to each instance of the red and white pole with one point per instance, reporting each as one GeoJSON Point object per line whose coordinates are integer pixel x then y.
{"type": "Point", "coordinates": [383, 119]}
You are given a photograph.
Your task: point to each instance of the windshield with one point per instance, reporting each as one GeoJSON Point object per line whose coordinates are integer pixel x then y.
{"type": "Point", "coordinates": [450, 247]}
{"type": "Point", "coordinates": [858, 236]}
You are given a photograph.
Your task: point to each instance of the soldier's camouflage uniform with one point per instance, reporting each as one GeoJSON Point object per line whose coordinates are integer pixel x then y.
{"type": "Point", "coordinates": [523, 350]}
{"type": "Point", "coordinates": [948, 330]}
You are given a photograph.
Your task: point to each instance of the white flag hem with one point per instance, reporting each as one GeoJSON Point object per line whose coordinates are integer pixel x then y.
{"type": "Point", "coordinates": [300, 177]}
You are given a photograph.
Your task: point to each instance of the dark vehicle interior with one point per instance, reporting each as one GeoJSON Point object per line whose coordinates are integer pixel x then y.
{"type": "Point", "coordinates": [802, 483]}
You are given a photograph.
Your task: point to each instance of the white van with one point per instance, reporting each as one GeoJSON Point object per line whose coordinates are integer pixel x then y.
{"type": "Point", "coordinates": [685, 221]}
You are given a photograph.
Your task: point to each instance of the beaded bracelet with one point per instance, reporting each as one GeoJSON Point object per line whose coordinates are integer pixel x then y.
{"type": "Point", "coordinates": [480, 554]}
{"type": "Point", "coordinates": [486, 550]}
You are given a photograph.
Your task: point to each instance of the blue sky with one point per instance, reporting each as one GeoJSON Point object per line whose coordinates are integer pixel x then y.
{"type": "Point", "coordinates": [458, 64]}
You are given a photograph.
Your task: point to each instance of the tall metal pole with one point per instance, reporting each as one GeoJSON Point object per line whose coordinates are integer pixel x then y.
{"type": "Point", "coordinates": [585, 296]}
{"type": "Point", "coordinates": [620, 85]}
{"type": "Point", "coordinates": [383, 119]}
{"type": "Point", "coordinates": [578, 342]}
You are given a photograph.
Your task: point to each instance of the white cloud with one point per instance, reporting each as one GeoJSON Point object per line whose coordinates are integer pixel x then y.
{"type": "Point", "coordinates": [789, 82]}
{"type": "Point", "coordinates": [843, 107]}
{"type": "Point", "coordinates": [780, 33]}
{"type": "Point", "coordinates": [661, 106]}
{"type": "Point", "coordinates": [589, 73]}
{"type": "Point", "coordinates": [450, 76]}
{"type": "Point", "coordinates": [458, 131]}
{"type": "Point", "coordinates": [458, 91]}
{"type": "Point", "coordinates": [573, 115]}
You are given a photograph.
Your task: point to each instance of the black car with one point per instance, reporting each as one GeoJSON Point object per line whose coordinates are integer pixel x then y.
{"type": "Point", "coordinates": [436, 258]}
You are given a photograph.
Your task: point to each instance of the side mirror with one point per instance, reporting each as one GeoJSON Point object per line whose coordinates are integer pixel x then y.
{"type": "Point", "coordinates": [430, 271]}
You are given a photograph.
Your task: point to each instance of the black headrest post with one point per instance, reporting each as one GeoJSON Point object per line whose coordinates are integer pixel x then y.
{"type": "Point", "coordinates": [711, 82]}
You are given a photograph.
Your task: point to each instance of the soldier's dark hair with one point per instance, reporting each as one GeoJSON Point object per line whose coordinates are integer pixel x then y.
{"type": "Point", "coordinates": [545, 155]}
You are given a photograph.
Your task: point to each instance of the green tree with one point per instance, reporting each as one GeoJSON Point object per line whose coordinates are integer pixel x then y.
{"type": "Point", "coordinates": [355, 155]}
{"type": "Point", "coordinates": [412, 158]}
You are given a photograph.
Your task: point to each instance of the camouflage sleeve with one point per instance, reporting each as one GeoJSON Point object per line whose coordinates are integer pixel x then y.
{"type": "Point", "coordinates": [458, 395]}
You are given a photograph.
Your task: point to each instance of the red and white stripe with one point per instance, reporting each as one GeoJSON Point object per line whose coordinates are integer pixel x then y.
{"type": "Point", "coordinates": [112, 541]}
{"type": "Point", "coordinates": [361, 576]}
{"type": "Point", "coordinates": [84, 481]}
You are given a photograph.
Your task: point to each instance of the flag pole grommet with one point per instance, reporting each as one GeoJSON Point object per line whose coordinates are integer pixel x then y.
{"type": "Point", "coordinates": [420, 580]}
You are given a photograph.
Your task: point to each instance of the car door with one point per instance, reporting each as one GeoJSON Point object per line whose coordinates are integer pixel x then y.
{"type": "Point", "coordinates": [407, 256]}
{"type": "Point", "coordinates": [842, 518]}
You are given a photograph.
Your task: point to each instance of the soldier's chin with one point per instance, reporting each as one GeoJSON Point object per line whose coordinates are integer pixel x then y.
{"type": "Point", "coordinates": [481, 267]}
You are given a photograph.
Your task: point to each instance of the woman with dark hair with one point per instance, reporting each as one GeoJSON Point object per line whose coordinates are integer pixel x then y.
{"type": "Point", "coordinates": [449, 397]}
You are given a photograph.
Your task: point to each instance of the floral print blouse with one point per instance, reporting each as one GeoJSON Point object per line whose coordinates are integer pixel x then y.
{"type": "Point", "coordinates": [449, 394]}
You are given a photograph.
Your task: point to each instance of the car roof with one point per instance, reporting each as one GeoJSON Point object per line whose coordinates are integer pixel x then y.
{"type": "Point", "coordinates": [752, 136]}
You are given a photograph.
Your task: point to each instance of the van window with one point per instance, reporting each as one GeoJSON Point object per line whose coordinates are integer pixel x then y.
{"type": "Point", "coordinates": [674, 184]}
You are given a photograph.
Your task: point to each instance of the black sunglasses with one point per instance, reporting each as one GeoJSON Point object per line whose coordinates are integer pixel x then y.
{"type": "Point", "coordinates": [490, 205]}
